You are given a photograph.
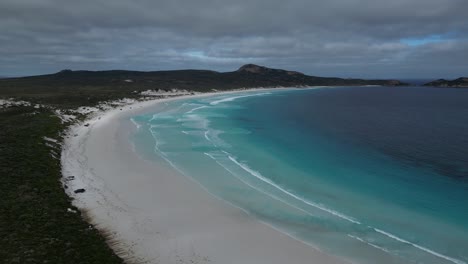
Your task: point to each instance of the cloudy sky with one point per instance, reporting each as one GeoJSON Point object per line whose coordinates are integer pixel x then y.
{"type": "Point", "coordinates": [344, 38]}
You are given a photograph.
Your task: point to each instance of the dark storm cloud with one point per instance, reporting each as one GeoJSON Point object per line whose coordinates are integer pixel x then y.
{"type": "Point", "coordinates": [359, 38]}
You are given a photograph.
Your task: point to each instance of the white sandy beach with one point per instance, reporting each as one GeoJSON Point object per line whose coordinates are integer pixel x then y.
{"type": "Point", "coordinates": [159, 215]}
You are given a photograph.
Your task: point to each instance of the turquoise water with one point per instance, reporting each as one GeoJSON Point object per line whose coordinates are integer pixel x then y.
{"type": "Point", "coordinates": [372, 174]}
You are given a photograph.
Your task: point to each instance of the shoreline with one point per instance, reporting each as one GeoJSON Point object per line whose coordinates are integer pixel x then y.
{"type": "Point", "coordinates": [157, 215]}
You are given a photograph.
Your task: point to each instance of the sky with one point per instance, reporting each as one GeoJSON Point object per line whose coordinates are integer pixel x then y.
{"type": "Point", "coordinates": [343, 38]}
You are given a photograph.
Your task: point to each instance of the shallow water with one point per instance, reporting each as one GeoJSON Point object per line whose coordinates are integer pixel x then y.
{"type": "Point", "coordinates": [367, 173]}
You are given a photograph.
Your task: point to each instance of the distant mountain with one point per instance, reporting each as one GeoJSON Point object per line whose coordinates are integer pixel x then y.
{"type": "Point", "coordinates": [101, 85]}
{"type": "Point", "coordinates": [458, 83]}
{"type": "Point", "coordinates": [252, 68]}
{"type": "Point", "coordinates": [279, 77]}
{"type": "Point", "coordinates": [247, 76]}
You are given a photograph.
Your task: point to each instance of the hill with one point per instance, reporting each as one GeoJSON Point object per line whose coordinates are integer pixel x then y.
{"type": "Point", "coordinates": [457, 83]}
{"type": "Point", "coordinates": [71, 87]}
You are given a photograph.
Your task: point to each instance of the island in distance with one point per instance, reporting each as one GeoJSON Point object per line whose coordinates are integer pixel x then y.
{"type": "Point", "coordinates": [461, 82]}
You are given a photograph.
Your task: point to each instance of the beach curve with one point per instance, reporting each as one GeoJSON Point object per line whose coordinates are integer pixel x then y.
{"type": "Point", "coordinates": [157, 215]}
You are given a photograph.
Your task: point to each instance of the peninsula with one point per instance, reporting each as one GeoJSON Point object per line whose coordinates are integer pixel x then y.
{"type": "Point", "coordinates": [461, 82]}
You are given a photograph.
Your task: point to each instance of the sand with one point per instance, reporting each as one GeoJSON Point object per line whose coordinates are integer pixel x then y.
{"type": "Point", "coordinates": [158, 215]}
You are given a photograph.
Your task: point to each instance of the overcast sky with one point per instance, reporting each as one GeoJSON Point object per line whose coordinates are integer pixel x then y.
{"type": "Point", "coordinates": [344, 38]}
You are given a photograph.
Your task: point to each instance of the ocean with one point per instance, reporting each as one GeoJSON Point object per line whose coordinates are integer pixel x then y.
{"type": "Point", "coordinates": [371, 174]}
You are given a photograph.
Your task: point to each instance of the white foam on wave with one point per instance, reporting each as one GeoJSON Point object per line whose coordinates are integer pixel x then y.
{"type": "Point", "coordinates": [370, 244]}
{"type": "Point", "coordinates": [254, 187]}
{"type": "Point", "coordinates": [232, 98]}
{"type": "Point", "coordinates": [157, 140]}
{"type": "Point", "coordinates": [270, 182]}
{"type": "Point", "coordinates": [159, 126]}
{"type": "Point", "coordinates": [262, 178]}
{"type": "Point", "coordinates": [457, 261]}
{"type": "Point", "coordinates": [196, 108]}
{"type": "Point", "coordinates": [206, 135]}
{"type": "Point", "coordinates": [194, 121]}
{"type": "Point", "coordinates": [212, 136]}
{"type": "Point", "coordinates": [160, 116]}
{"type": "Point", "coordinates": [161, 153]}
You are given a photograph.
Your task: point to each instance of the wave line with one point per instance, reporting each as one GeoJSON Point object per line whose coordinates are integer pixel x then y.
{"type": "Point", "coordinates": [370, 244]}
{"type": "Point", "coordinates": [229, 99]}
{"type": "Point", "coordinates": [457, 261]}
{"type": "Point", "coordinates": [262, 178]}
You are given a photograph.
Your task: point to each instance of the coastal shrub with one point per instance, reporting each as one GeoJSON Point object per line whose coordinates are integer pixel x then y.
{"type": "Point", "coordinates": [38, 224]}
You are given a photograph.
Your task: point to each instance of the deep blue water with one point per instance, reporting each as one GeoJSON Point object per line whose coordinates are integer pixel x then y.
{"type": "Point", "coordinates": [373, 174]}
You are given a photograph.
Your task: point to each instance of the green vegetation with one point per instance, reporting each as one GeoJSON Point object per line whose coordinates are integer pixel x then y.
{"type": "Point", "coordinates": [35, 225]}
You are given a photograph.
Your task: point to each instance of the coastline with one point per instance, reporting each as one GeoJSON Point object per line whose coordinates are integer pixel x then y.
{"type": "Point", "coordinates": [157, 215]}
